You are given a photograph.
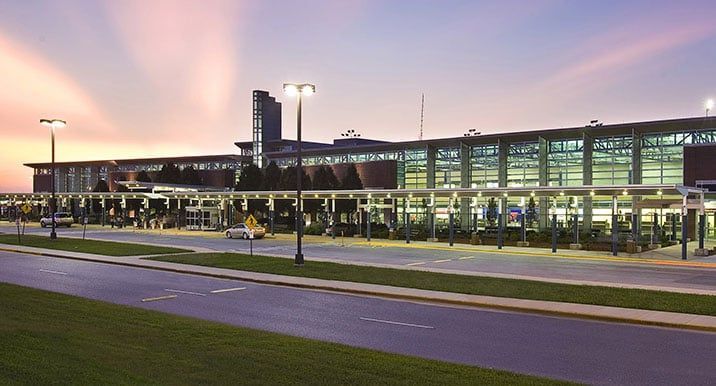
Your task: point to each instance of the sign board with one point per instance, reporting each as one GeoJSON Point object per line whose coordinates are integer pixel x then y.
{"type": "Point", "coordinates": [251, 221]}
{"type": "Point", "coordinates": [26, 208]}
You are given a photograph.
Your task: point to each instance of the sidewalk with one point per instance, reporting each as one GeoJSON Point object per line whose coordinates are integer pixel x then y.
{"type": "Point", "coordinates": [659, 318]}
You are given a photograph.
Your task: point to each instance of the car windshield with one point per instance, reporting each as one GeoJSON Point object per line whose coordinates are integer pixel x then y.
{"type": "Point", "coordinates": [62, 215]}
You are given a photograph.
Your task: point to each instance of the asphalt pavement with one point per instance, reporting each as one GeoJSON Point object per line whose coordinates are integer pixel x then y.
{"type": "Point", "coordinates": [546, 267]}
{"type": "Point", "coordinates": [563, 348]}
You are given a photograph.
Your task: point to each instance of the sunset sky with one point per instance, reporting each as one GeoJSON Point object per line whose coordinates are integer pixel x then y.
{"type": "Point", "coordinates": [164, 78]}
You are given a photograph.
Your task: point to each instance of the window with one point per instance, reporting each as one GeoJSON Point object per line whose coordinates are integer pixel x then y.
{"type": "Point", "coordinates": [611, 160]}
{"type": "Point", "coordinates": [565, 162]}
{"type": "Point", "coordinates": [523, 164]}
{"type": "Point", "coordinates": [484, 162]}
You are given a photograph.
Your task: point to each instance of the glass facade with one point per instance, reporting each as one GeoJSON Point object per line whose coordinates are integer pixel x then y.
{"type": "Point", "coordinates": [484, 163]}
{"type": "Point", "coordinates": [662, 155]}
{"type": "Point", "coordinates": [523, 164]}
{"type": "Point", "coordinates": [612, 160]}
{"type": "Point", "coordinates": [565, 161]}
{"type": "Point", "coordinates": [416, 169]}
{"type": "Point", "coordinates": [447, 167]}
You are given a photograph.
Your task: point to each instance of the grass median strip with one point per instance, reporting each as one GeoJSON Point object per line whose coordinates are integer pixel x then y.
{"type": "Point", "coordinates": [474, 285]}
{"type": "Point", "coordinates": [51, 338]}
{"type": "Point", "coordinates": [108, 248]}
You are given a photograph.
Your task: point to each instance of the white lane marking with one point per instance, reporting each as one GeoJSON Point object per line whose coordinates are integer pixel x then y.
{"type": "Point", "coordinates": [228, 290]}
{"type": "Point", "coordinates": [396, 323]}
{"type": "Point", "coordinates": [55, 272]}
{"type": "Point", "coordinates": [418, 263]}
{"type": "Point", "coordinates": [184, 292]}
{"type": "Point", "coordinates": [159, 298]}
{"type": "Point", "coordinates": [442, 261]}
{"type": "Point", "coordinates": [466, 257]}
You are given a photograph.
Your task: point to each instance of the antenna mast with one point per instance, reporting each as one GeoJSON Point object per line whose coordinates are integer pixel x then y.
{"type": "Point", "coordinates": [422, 110]}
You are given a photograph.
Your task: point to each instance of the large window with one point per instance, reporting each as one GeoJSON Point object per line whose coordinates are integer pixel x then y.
{"type": "Point", "coordinates": [447, 167]}
{"type": "Point", "coordinates": [611, 160]}
{"type": "Point", "coordinates": [564, 162]}
{"type": "Point", "coordinates": [484, 162]}
{"type": "Point", "coordinates": [416, 169]}
{"type": "Point", "coordinates": [662, 155]}
{"type": "Point", "coordinates": [523, 164]}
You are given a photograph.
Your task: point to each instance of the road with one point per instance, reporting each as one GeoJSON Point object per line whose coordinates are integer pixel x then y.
{"type": "Point", "coordinates": [562, 348]}
{"type": "Point", "coordinates": [459, 259]}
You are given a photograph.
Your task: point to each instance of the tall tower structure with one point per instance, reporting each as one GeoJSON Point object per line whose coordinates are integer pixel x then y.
{"type": "Point", "coordinates": [266, 123]}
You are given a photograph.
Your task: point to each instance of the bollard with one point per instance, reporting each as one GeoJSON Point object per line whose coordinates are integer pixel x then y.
{"type": "Point", "coordinates": [615, 234]}
{"type": "Point", "coordinates": [635, 227]}
{"type": "Point", "coordinates": [554, 233]}
{"type": "Point", "coordinates": [523, 227]}
{"type": "Point", "coordinates": [575, 226]}
{"type": "Point", "coordinates": [271, 222]}
{"type": "Point", "coordinates": [407, 228]}
{"type": "Point", "coordinates": [684, 235]}
{"type": "Point", "coordinates": [452, 228]}
{"type": "Point", "coordinates": [367, 229]}
{"type": "Point", "coordinates": [702, 230]}
{"type": "Point", "coordinates": [499, 231]}
{"type": "Point", "coordinates": [673, 227]}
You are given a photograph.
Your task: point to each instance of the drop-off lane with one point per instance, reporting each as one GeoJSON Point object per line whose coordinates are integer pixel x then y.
{"type": "Point", "coordinates": [579, 350]}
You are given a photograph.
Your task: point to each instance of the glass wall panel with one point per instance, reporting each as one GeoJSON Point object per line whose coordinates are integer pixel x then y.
{"type": "Point", "coordinates": [611, 160]}
{"type": "Point", "coordinates": [447, 167]}
{"type": "Point", "coordinates": [662, 155]}
{"type": "Point", "coordinates": [523, 164]}
{"type": "Point", "coordinates": [484, 166]}
{"type": "Point", "coordinates": [565, 159]}
{"type": "Point", "coordinates": [416, 165]}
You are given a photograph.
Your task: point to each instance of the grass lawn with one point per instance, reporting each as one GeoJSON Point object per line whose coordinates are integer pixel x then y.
{"type": "Point", "coordinates": [108, 248]}
{"type": "Point", "coordinates": [50, 338]}
{"type": "Point", "coordinates": [511, 288]}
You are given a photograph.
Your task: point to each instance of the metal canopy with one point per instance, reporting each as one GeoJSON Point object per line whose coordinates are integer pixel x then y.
{"type": "Point", "coordinates": [543, 191]}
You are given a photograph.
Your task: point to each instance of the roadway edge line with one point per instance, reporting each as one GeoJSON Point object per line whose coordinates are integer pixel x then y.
{"type": "Point", "coordinates": [406, 297]}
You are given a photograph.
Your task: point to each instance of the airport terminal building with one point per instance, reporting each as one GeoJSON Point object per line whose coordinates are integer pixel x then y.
{"type": "Point", "coordinates": [591, 171]}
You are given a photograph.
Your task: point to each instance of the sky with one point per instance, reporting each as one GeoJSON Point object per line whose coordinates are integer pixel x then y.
{"type": "Point", "coordinates": [136, 78]}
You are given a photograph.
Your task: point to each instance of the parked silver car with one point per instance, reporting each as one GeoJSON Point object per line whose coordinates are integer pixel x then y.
{"type": "Point", "coordinates": [61, 219]}
{"type": "Point", "coordinates": [243, 231]}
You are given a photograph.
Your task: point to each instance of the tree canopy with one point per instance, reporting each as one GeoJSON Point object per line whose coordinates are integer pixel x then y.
{"type": "Point", "coordinates": [251, 178]}
{"type": "Point", "coordinates": [142, 176]}
{"type": "Point", "coordinates": [288, 179]}
{"type": "Point", "coordinates": [190, 176]}
{"type": "Point", "coordinates": [272, 177]}
{"type": "Point", "coordinates": [351, 180]}
{"type": "Point", "coordinates": [325, 179]}
{"type": "Point", "coordinates": [170, 174]}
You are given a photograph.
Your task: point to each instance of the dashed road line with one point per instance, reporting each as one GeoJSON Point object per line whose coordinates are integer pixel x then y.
{"type": "Point", "coordinates": [466, 257]}
{"type": "Point", "coordinates": [418, 263]}
{"type": "Point", "coordinates": [159, 298]}
{"type": "Point", "coordinates": [396, 323]}
{"type": "Point", "coordinates": [184, 292]}
{"type": "Point", "coordinates": [55, 272]}
{"type": "Point", "coordinates": [228, 290]}
{"type": "Point", "coordinates": [442, 261]}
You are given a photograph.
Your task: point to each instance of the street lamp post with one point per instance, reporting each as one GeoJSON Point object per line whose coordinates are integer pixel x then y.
{"type": "Point", "coordinates": [298, 89]}
{"type": "Point", "coordinates": [52, 124]}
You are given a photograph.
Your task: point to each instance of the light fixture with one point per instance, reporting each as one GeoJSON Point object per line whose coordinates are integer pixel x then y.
{"type": "Point", "coordinates": [659, 192]}
{"type": "Point", "coordinates": [454, 194]}
{"type": "Point", "coordinates": [532, 193]}
{"type": "Point", "coordinates": [504, 194]}
{"type": "Point", "coordinates": [709, 104]}
{"type": "Point", "coordinates": [625, 192]}
{"type": "Point", "coordinates": [479, 194]}
{"type": "Point", "coordinates": [561, 193]}
{"type": "Point", "coordinates": [290, 89]}
{"type": "Point", "coordinates": [591, 193]}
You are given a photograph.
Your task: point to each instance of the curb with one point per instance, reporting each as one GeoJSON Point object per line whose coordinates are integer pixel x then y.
{"type": "Point", "coordinates": [392, 295]}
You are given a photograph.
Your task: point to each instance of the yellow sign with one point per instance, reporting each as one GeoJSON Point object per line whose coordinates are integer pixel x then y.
{"type": "Point", "coordinates": [250, 221]}
{"type": "Point", "coordinates": [26, 208]}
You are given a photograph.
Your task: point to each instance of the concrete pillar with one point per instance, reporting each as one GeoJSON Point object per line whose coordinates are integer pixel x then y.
{"type": "Point", "coordinates": [554, 233]}
{"type": "Point", "coordinates": [543, 166]}
{"type": "Point", "coordinates": [503, 148]}
{"type": "Point", "coordinates": [430, 167]}
{"type": "Point", "coordinates": [588, 149]}
{"type": "Point", "coordinates": [464, 183]}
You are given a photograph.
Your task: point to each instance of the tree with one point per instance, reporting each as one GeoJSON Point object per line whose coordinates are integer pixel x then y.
{"type": "Point", "coordinates": [351, 180]}
{"type": "Point", "coordinates": [100, 187]}
{"type": "Point", "coordinates": [325, 179]}
{"type": "Point", "coordinates": [190, 176]}
{"type": "Point", "coordinates": [142, 176]}
{"type": "Point", "coordinates": [170, 174]}
{"type": "Point", "coordinates": [492, 211]}
{"type": "Point", "coordinates": [272, 177]}
{"type": "Point", "coordinates": [251, 178]}
{"type": "Point", "coordinates": [531, 212]}
{"type": "Point", "coordinates": [288, 179]}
